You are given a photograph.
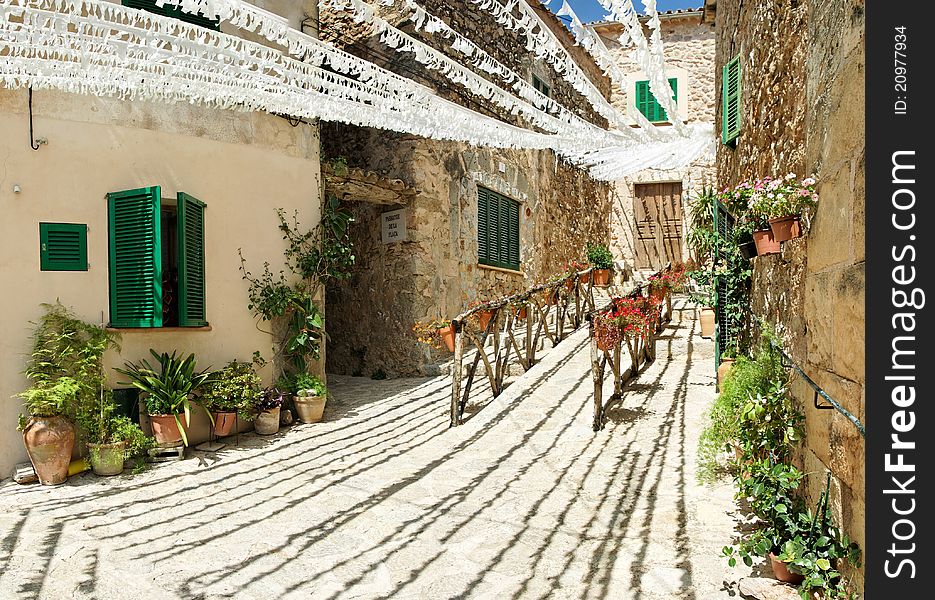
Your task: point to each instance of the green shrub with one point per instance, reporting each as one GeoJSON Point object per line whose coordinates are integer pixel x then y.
{"type": "Point", "coordinates": [234, 388]}
{"type": "Point", "coordinates": [600, 257]}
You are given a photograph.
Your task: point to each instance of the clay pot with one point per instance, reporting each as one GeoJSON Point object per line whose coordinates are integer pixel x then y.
{"type": "Point", "coordinates": [785, 228]}
{"type": "Point", "coordinates": [49, 442]}
{"type": "Point", "coordinates": [602, 277]}
{"type": "Point", "coordinates": [707, 322]}
{"type": "Point", "coordinates": [570, 285]}
{"type": "Point", "coordinates": [551, 297]}
{"type": "Point", "coordinates": [448, 336]}
{"type": "Point", "coordinates": [224, 423]}
{"type": "Point", "coordinates": [782, 572]}
{"type": "Point", "coordinates": [722, 370]}
{"type": "Point", "coordinates": [584, 279]}
{"type": "Point", "coordinates": [604, 347]}
{"type": "Point", "coordinates": [484, 317]}
{"type": "Point", "coordinates": [267, 422]}
{"type": "Point", "coordinates": [310, 408]}
{"type": "Point", "coordinates": [107, 459]}
{"type": "Point", "coordinates": [166, 429]}
{"type": "Point", "coordinates": [521, 313]}
{"type": "Point", "coordinates": [765, 242]}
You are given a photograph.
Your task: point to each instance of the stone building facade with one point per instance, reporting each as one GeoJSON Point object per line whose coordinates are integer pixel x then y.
{"type": "Point", "coordinates": [241, 165]}
{"type": "Point", "coordinates": [651, 206]}
{"type": "Point", "coordinates": [435, 272]}
{"type": "Point", "coordinates": [803, 112]}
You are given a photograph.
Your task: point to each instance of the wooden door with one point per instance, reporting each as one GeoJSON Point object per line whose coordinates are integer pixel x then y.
{"type": "Point", "coordinates": [657, 209]}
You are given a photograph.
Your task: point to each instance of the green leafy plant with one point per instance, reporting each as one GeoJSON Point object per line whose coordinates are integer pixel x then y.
{"type": "Point", "coordinates": [233, 389]}
{"type": "Point", "coordinates": [168, 389]}
{"type": "Point", "coordinates": [702, 236]}
{"type": "Point", "coordinates": [270, 398]}
{"type": "Point", "coordinates": [48, 399]}
{"type": "Point", "coordinates": [600, 257]}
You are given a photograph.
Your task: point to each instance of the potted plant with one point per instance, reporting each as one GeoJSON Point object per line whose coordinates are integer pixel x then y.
{"type": "Point", "coordinates": [790, 199]}
{"type": "Point", "coordinates": [602, 261]}
{"type": "Point", "coordinates": [168, 393]}
{"type": "Point", "coordinates": [703, 297]}
{"type": "Point", "coordinates": [118, 439]}
{"type": "Point", "coordinates": [266, 410]}
{"type": "Point", "coordinates": [310, 397]}
{"type": "Point", "coordinates": [727, 361]}
{"type": "Point", "coordinates": [481, 318]}
{"type": "Point", "coordinates": [436, 333]}
{"type": "Point", "coordinates": [231, 392]}
{"type": "Point", "coordinates": [48, 434]}
{"type": "Point", "coordinates": [607, 331]}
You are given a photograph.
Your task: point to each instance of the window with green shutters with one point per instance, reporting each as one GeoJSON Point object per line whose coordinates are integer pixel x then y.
{"type": "Point", "coordinates": [153, 281]}
{"type": "Point", "coordinates": [167, 10]}
{"type": "Point", "coordinates": [63, 247]}
{"type": "Point", "coordinates": [730, 101]}
{"type": "Point", "coordinates": [497, 230]}
{"type": "Point", "coordinates": [646, 103]}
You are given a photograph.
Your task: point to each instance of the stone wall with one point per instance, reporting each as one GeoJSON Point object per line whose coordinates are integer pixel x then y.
{"type": "Point", "coordinates": [803, 111]}
{"type": "Point", "coordinates": [435, 273]}
{"type": "Point", "coordinates": [690, 47]}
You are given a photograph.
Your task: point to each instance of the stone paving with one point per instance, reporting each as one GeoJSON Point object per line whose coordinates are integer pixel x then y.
{"type": "Point", "coordinates": [384, 501]}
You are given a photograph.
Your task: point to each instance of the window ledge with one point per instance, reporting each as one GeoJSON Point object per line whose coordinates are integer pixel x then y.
{"type": "Point", "coordinates": [501, 269]}
{"type": "Point", "coordinates": [161, 329]}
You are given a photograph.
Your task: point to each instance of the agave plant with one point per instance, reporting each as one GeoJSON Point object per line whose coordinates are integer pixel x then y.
{"type": "Point", "coordinates": [168, 390]}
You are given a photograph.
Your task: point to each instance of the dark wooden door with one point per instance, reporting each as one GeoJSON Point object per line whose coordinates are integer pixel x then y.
{"type": "Point", "coordinates": [657, 210]}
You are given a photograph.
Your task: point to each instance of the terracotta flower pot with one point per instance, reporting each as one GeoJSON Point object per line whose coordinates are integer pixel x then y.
{"type": "Point", "coordinates": [584, 278]}
{"type": "Point", "coordinates": [707, 322]}
{"type": "Point", "coordinates": [551, 297]}
{"type": "Point", "coordinates": [49, 442]}
{"type": "Point", "coordinates": [448, 336]}
{"type": "Point", "coordinates": [722, 370]}
{"type": "Point", "coordinates": [604, 346]}
{"type": "Point", "coordinates": [166, 429]}
{"type": "Point", "coordinates": [748, 249]}
{"type": "Point", "coordinates": [570, 285]}
{"type": "Point", "coordinates": [107, 459]}
{"type": "Point", "coordinates": [310, 408]}
{"type": "Point", "coordinates": [602, 277]}
{"type": "Point", "coordinates": [765, 242]}
{"type": "Point", "coordinates": [782, 572]}
{"type": "Point", "coordinates": [224, 423]}
{"type": "Point", "coordinates": [267, 422]}
{"type": "Point", "coordinates": [484, 317]}
{"type": "Point", "coordinates": [786, 228]}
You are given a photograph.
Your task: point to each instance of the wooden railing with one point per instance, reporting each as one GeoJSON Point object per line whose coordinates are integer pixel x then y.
{"type": "Point", "coordinates": [517, 325]}
{"type": "Point", "coordinates": [646, 352]}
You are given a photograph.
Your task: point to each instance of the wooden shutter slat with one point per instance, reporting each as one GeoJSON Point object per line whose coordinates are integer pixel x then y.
{"type": "Point", "coordinates": [135, 258]}
{"type": "Point", "coordinates": [191, 251]}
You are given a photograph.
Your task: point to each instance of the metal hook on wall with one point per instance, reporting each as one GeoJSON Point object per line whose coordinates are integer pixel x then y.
{"type": "Point", "coordinates": [32, 142]}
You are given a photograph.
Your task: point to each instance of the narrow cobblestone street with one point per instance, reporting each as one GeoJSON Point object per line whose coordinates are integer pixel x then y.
{"type": "Point", "coordinates": [384, 501]}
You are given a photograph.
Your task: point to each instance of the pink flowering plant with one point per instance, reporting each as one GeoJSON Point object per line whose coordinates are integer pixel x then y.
{"type": "Point", "coordinates": [758, 201]}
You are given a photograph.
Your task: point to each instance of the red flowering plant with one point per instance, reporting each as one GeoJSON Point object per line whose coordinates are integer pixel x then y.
{"type": "Point", "coordinates": [757, 201]}
{"type": "Point", "coordinates": [575, 266]}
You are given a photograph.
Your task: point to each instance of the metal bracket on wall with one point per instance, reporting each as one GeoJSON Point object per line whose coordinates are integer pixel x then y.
{"type": "Point", "coordinates": [32, 141]}
{"type": "Point", "coordinates": [821, 406]}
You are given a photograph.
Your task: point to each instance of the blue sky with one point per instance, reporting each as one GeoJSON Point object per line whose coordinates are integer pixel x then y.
{"type": "Point", "coordinates": [591, 10]}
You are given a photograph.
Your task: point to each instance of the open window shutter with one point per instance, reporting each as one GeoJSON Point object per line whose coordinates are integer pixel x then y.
{"type": "Point", "coordinates": [513, 258]}
{"type": "Point", "coordinates": [493, 230]}
{"type": "Point", "coordinates": [730, 95]}
{"type": "Point", "coordinates": [643, 99]}
{"type": "Point", "coordinates": [191, 239]}
{"type": "Point", "coordinates": [504, 233]}
{"type": "Point", "coordinates": [135, 258]}
{"type": "Point", "coordinates": [483, 208]}
{"type": "Point", "coordinates": [674, 84]}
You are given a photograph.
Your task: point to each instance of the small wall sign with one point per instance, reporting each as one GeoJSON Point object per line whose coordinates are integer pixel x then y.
{"type": "Point", "coordinates": [394, 226]}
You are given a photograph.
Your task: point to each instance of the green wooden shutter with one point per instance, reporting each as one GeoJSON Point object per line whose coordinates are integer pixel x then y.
{"type": "Point", "coordinates": [646, 103]}
{"type": "Point", "coordinates": [135, 257]}
{"type": "Point", "coordinates": [483, 208]}
{"type": "Point", "coordinates": [493, 230]}
{"type": "Point", "coordinates": [730, 101]}
{"type": "Point", "coordinates": [191, 240]}
{"type": "Point", "coordinates": [175, 12]}
{"type": "Point", "coordinates": [513, 250]}
{"type": "Point", "coordinates": [63, 247]}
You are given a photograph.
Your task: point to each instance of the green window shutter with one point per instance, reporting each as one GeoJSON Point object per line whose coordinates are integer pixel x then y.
{"type": "Point", "coordinates": [646, 103]}
{"type": "Point", "coordinates": [483, 208]}
{"type": "Point", "coordinates": [191, 240]}
{"type": "Point", "coordinates": [135, 235]}
{"type": "Point", "coordinates": [168, 10]}
{"type": "Point", "coordinates": [63, 247]}
{"type": "Point", "coordinates": [513, 250]}
{"type": "Point", "coordinates": [730, 101]}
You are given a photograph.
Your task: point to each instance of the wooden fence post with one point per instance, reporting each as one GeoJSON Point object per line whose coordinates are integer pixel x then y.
{"type": "Point", "coordinates": [456, 367]}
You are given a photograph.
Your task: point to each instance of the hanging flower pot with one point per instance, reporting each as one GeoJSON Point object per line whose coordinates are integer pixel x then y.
{"type": "Point", "coordinates": [520, 312]}
{"type": "Point", "coordinates": [765, 242]}
{"type": "Point", "coordinates": [570, 285]}
{"type": "Point", "coordinates": [551, 296]}
{"type": "Point", "coordinates": [584, 279]}
{"type": "Point", "coordinates": [786, 228]}
{"type": "Point", "coordinates": [602, 277]}
{"type": "Point", "coordinates": [707, 322]}
{"type": "Point", "coordinates": [748, 249]}
{"type": "Point", "coordinates": [484, 318]}
{"type": "Point", "coordinates": [448, 336]}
